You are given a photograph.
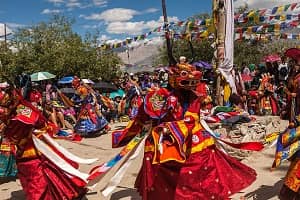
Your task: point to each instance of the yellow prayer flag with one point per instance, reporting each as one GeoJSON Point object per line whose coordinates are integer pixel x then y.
{"type": "Point", "coordinates": [204, 34]}
{"type": "Point", "coordinates": [208, 22]}
{"type": "Point", "coordinates": [280, 9]}
{"type": "Point", "coordinates": [251, 13]}
{"type": "Point", "coordinates": [282, 17]}
{"type": "Point", "coordinates": [249, 29]}
{"type": "Point", "coordinates": [277, 27]}
{"type": "Point", "coordinates": [256, 19]}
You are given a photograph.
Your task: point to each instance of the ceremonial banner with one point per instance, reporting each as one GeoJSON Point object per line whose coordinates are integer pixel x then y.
{"type": "Point", "coordinates": [227, 65]}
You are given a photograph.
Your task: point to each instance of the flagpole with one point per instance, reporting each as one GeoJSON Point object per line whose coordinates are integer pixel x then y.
{"type": "Point", "coordinates": [5, 34]}
{"type": "Point", "coordinates": [172, 61]}
{"type": "Point", "coordinates": [219, 21]}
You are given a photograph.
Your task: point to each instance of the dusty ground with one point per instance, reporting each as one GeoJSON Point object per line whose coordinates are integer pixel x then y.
{"type": "Point", "coordinates": [265, 187]}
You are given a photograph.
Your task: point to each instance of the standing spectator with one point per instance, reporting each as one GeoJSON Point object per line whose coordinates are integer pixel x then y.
{"type": "Point", "coordinates": [48, 91]}
{"type": "Point", "coordinates": [283, 70]}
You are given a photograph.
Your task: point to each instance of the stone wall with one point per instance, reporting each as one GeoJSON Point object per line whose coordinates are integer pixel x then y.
{"type": "Point", "coordinates": [255, 130]}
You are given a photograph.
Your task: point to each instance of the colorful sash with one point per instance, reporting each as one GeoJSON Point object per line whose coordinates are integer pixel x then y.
{"type": "Point", "coordinates": [288, 144]}
{"type": "Point", "coordinates": [97, 172]}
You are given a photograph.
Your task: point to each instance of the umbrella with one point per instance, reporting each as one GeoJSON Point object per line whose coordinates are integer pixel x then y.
{"type": "Point", "coordinates": [39, 76]}
{"type": "Point", "coordinates": [202, 64]}
{"type": "Point", "coordinates": [293, 53]}
{"type": "Point", "coordinates": [118, 93]}
{"type": "Point", "coordinates": [105, 87]}
{"type": "Point", "coordinates": [272, 58]}
{"type": "Point", "coordinates": [66, 80]}
{"type": "Point", "coordinates": [87, 81]}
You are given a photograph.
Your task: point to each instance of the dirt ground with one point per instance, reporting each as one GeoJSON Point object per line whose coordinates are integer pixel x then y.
{"type": "Point", "coordinates": [267, 185]}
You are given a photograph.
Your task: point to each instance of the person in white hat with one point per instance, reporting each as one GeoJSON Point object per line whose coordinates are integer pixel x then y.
{"type": "Point", "coordinates": [182, 59]}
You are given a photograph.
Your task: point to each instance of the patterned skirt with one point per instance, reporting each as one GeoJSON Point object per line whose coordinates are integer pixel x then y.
{"type": "Point", "coordinates": [8, 166]}
{"type": "Point", "coordinates": [208, 174]}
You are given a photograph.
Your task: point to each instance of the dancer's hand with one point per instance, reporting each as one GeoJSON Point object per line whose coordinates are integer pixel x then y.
{"type": "Point", "coordinates": [294, 94]}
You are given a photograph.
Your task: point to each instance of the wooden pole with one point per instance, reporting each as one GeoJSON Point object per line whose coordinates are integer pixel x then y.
{"type": "Point", "coordinates": [219, 21]}
{"type": "Point", "coordinates": [5, 39]}
{"type": "Point", "coordinates": [167, 33]}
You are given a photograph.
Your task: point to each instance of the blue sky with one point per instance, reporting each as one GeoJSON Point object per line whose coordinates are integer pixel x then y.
{"type": "Point", "coordinates": [115, 19]}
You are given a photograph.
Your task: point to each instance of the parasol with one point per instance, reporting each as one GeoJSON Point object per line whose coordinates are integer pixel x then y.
{"type": "Point", "coordinates": [118, 93]}
{"type": "Point", "coordinates": [66, 80]}
{"type": "Point", "coordinates": [202, 64]}
{"type": "Point", "coordinates": [272, 58]}
{"type": "Point", "coordinates": [105, 87]}
{"type": "Point", "coordinates": [39, 76]}
{"type": "Point", "coordinates": [87, 81]}
{"type": "Point", "coordinates": [293, 53]}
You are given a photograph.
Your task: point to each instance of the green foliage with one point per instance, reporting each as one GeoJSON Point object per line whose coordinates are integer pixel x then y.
{"type": "Point", "coordinates": [202, 49]}
{"type": "Point", "coordinates": [53, 46]}
{"type": "Point", "coordinates": [247, 52]}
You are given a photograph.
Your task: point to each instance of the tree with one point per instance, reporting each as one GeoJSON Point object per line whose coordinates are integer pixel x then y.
{"type": "Point", "coordinates": [53, 46]}
{"type": "Point", "coordinates": [202, 48]}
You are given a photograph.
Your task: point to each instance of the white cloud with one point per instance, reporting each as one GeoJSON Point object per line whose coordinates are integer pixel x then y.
{"type": "Point", "coordinates": [48, 11]}
{"type": "Point", "coordinates": [113, 41]}
{"type": "Point", "coordinates": [99, 2]}
{"type": "Point", "coordinates": [15, 25]}
{"type": "Point", "coordinates": [117, 14]}
{"type": "Point", "coordinates": [90, 26]}
{"type": "Point", "coordinates": [126, 27]}
{"type": "Point", "coordinates": [103, 38]}
{"type": "Point", "coordinates": [72, 4]}
{"type": "Point", "coordinates": [156, 23]}
{"type": "Point", "coordinates": [134, 28]}
{"type": "Point", "coordinates": [151, 10]}
{"type": "Point", "coordinates": [255, 4]}
{"type": "Point", "coordinates": [114, 15]}
{"type": "Point", "coordinates": [56, 1]}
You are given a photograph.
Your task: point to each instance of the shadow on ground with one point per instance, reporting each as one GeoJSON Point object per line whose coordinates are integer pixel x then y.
{"type": "Point", "coordinates": [265, 191]}
{"type": "Point", "coordinates": [126, 192]}
{"type": "Point", "coordinates": [7, 179]}
{"type": "Point", "coordinates": [17, 195]}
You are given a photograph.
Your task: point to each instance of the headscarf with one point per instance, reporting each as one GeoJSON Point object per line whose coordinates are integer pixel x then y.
{"type": "Point", "coordinates": [252, 67]}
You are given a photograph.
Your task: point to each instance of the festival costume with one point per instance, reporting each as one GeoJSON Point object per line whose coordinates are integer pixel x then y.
{"type": "Point", "coordinates": [44, 172]}
{"type": "Point", "coordinates": [293, 103]}
{"type": "Point", "coordinates": [8, 166]}
{"type": "Point", "coordinates": [186, 164]}
{"type": "Point", "coordinates": [268, 104]}
{"type": "Point", "coordinates": [181, 160]}
{"type": "Point", "coordinates": [90, 119]}
{"type": "Point", "coordinates": [288, 148]}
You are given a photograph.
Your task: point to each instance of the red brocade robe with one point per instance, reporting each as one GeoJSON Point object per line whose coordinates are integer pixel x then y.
{"type": "Point", "coordinates": [41, 178]}
{"type": "Point", "coordinates": [186, 164]}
